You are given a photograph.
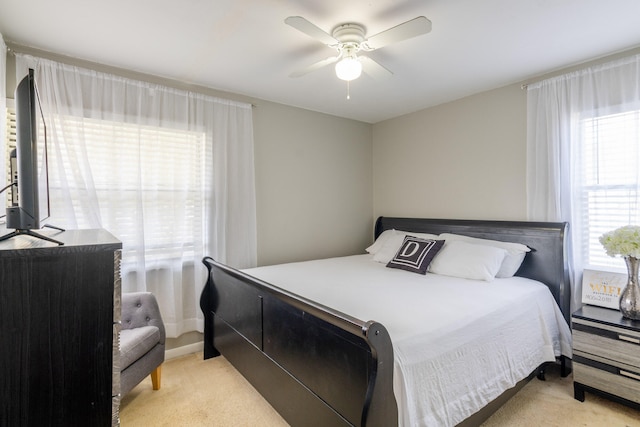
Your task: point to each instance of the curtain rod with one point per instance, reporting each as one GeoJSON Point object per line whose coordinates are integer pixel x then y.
{"type": "Point", "coordinates": [628, 53]}
{"type": "Point", "coordinates": [14, 49]}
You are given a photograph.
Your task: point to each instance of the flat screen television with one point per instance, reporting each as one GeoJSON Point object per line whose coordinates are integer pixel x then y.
{"type": "Point", "coordinates": [30, 209]}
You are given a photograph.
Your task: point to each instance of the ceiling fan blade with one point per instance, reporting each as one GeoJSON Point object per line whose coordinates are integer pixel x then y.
{"type": "Point", "coordinates": [316, 66]}
{"type": "Point", "coordinates": [415, 27]}
{"type": "Point", "coordinates": [374, 69]}
{"type": "Point", "coordinates": [301, 24]}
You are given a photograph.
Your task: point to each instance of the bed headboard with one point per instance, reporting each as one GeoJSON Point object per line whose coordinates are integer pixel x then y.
{"type": "Point", "coordinates": [547, 261]}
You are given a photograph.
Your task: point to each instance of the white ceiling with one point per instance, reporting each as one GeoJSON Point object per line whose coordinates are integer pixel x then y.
{"type": "Point", "coordinates": [244, 47]}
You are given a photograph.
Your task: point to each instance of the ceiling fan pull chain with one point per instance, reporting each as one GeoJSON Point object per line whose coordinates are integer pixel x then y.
{"type": "Point", "coordinates": [348, 91]}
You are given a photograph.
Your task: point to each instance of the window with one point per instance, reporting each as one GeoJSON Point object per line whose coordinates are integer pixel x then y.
{"type": "Point", "coordinates": [608, 175]}
{"type": "Point", "coordinates": [169, 172]}
{"type": "Point", "coordinates": [583, 149]}
{"type": "Point", "coordinates": [146, 178]}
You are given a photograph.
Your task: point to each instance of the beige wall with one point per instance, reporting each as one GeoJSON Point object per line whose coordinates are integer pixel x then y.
{"type": "Point", "coordinates": [313, 184]}
{"type": "Point", "coordinates": [464, 159]}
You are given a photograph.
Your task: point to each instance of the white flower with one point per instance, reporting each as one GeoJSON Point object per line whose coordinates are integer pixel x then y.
{"type": "Point", "coordinates": [623, 241]}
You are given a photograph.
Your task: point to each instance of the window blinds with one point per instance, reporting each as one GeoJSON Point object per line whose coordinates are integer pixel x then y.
{"type": "Point", "coordinates": [134, 169]}
{"type": "Point", "coordinates": [609, 173]}
{"type": "Point", "coordinates": [10, 144]}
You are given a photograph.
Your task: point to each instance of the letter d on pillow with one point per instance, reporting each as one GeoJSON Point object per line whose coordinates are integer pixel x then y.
{"type": "Point", "coordinates": [409, 249]}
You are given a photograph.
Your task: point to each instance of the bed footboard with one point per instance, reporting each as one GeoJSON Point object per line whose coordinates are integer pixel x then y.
{"type": "Point", "coordinates": [314, 365]}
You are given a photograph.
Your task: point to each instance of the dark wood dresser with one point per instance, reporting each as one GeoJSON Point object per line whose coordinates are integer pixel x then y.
{"type": "Point", "coordinates": [59, 329]}
{"type": "Point", "coordinates": [606, 355]}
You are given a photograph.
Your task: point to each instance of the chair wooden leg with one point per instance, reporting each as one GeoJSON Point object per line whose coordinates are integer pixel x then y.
{"type": "Point", "coordinates": [155, 377]}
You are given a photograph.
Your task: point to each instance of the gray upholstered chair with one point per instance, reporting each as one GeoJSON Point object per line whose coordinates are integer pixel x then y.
{"type": "Point", "coordinates": [141, 341]}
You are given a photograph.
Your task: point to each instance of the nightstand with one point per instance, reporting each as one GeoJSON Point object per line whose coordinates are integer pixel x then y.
{"type": "Point", "coordinates": [606, 355]}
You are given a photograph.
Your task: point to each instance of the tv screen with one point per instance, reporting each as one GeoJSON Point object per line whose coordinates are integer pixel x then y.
{"type": "Point", "coordinates": [32, 207]}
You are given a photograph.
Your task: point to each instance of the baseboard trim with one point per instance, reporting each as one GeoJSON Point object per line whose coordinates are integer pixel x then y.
{"type": "Point", "coordinates": [183, 350]}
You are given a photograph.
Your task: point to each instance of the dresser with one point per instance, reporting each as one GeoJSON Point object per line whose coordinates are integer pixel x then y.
{"type": "Point", "coordinates": [59, 314]}
{"type": "Point", "coordinates": [606, 355]}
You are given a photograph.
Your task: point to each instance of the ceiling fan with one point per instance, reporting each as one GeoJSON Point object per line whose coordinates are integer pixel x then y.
{"type": "Point", "coordinates": [350, 41]}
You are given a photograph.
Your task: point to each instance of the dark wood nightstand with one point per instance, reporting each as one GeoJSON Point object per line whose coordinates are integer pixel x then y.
{"type": "Point", "coordinates": [606, 355]}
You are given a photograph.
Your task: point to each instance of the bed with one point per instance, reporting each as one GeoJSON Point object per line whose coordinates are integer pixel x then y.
{"type": "Point", "coordinates": [318, 359]}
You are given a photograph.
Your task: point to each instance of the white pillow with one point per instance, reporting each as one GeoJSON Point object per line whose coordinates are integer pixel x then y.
{"type": "Point", "coordinates": [382, 238]}
{"type": "Point", "coordinates": [513, 259]}
{"type": "Point", "coordinates": [392, 244]}
{"type": "Point", "coordinates": [458, 258]}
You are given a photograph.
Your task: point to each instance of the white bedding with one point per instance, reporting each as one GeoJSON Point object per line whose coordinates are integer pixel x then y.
{"type": "Point", "coordinates": [458, 343]}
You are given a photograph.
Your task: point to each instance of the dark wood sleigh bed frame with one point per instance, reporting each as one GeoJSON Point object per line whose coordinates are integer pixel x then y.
{"type": "Point", "coordinates": [319, 367]}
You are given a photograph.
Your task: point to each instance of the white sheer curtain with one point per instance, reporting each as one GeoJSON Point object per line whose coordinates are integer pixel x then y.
{"type": "Point", "coordinates": [556, 110]}
{"type": "Point", "coordinates": [169, 172]}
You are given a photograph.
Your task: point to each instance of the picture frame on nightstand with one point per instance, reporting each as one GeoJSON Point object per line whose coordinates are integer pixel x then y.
{"type": "Point", "coordinates": [602, 288]}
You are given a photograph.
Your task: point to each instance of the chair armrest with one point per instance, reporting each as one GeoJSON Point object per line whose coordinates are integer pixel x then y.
{"type": "Point", "coordinates": [141, 309]}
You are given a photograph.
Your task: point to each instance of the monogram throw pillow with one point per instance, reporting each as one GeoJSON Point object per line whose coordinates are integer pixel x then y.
{"type": "Point", "coordinates": [415, 254]}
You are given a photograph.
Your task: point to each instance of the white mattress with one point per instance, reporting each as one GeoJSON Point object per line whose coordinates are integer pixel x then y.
{"type": "Point", "coordinates": [458, 343]}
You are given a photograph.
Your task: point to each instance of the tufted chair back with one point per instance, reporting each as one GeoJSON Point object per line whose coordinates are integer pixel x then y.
{"type": "Point", "coordinates": [141, 309]}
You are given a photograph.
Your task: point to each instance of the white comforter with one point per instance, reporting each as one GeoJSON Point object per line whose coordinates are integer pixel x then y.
{"type": "Point", "coordinates": [457, 343]}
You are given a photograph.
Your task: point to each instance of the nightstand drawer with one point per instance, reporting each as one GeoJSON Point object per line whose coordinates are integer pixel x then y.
{"type": "Point", "coordinates": [607, 341]}
{"type": "Point", "coordinates": [617, 381]}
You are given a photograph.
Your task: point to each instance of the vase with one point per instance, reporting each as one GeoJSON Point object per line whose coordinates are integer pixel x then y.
{"type": "Point", "coordinates": [630, 297]}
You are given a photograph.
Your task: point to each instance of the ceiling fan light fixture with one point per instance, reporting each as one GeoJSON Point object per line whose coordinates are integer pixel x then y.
{"type": "Point", "coordinates": [349, 68]}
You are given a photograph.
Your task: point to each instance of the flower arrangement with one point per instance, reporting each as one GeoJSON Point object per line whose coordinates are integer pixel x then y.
{"type": "Point", "coordinates": [624, 241]}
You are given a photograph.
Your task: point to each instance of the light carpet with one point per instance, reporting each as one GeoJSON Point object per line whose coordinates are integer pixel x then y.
{"type": "Point", "coordinates": [197, 392]}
